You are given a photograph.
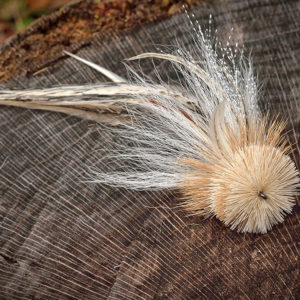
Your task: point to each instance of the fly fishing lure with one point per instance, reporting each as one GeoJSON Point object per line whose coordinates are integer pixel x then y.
{"type": "Point", "coordinates": [205, 137]}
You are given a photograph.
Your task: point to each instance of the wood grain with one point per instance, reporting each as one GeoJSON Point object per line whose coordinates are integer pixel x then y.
{"type": "Point", "coordinates": [65, 238]}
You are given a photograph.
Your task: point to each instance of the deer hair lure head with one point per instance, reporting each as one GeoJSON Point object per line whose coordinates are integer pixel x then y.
{"type": "Point", "coordinates": [206, 137]}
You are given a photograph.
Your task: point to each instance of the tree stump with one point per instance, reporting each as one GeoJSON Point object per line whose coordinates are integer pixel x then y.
{"type": "Point", "coordinates": [65, 238]}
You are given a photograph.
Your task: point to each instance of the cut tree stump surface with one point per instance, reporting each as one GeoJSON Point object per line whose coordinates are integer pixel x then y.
{"type": "Point", "coordinates": [62, 237]}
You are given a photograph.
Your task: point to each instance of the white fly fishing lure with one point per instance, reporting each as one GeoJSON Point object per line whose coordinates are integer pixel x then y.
{"type": "Point", "coordinates": [206, 138]}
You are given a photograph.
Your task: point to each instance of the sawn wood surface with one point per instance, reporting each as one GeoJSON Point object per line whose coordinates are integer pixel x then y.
{"type": "Point", "coordinates": [62, 237]}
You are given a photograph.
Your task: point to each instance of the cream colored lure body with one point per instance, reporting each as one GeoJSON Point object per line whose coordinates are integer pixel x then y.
{"type": "Point", "coordinates": [205, 137]}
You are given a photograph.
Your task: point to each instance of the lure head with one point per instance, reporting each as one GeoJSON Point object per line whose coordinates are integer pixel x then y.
{"type": "Point", "coordinates": [250, 181]}
{"type": "Point", "coordinates": [255, 189]}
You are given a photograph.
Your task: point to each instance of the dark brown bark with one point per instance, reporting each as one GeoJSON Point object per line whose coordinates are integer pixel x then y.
{"type": "Point", "coordinates": [64, 238]}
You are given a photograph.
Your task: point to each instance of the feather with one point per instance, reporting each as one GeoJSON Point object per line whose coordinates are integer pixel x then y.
{"type": "Point", "coordinates": [110, 75]}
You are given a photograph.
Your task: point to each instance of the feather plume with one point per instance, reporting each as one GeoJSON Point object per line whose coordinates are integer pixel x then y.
{"type": "Point", "coordinates": [206, 137]}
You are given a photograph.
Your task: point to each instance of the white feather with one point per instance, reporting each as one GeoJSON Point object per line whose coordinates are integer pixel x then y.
{"type": "Point", "coordinates": [161, 132]}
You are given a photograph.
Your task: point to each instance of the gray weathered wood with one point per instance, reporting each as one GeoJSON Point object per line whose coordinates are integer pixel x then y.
{"type": "Point", "coordinates": [64, 238]}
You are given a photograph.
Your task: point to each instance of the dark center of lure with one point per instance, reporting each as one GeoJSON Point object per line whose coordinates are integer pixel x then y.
{"type": "Point", "coordinates": [262, 195]}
